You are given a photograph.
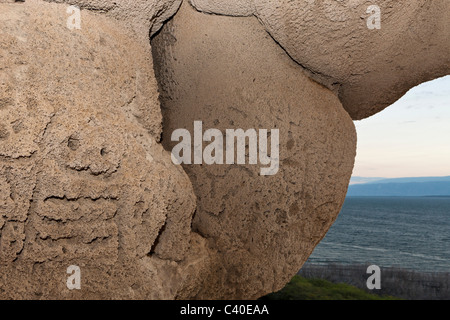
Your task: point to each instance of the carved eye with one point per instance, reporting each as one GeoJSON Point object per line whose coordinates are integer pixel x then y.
{"type": "Point", "coordinates": [4, 132]}
{"type": "Point", "coordinates": [73, 143]}
{"type": "Point", "coordinates": [5, 102]}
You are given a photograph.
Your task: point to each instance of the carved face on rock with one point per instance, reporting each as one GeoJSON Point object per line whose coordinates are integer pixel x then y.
{"type": "Point", "coordinates": [94, 191]}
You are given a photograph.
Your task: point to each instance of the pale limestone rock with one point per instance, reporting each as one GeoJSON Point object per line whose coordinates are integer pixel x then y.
{"type": "Point", "coordinates": [142, 15]}
{"type": "Point", "coordinates": [229, 73]}
{"type": "Point", "coordinates": [84, 180]}
{"type": "Point", "coordinates": [369, 69]}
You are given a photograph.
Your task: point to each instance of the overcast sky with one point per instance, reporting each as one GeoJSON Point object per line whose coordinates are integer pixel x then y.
{"type": "Point", "coordinates": [411, 138]}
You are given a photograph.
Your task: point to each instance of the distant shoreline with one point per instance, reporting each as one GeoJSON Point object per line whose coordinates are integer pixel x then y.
{"type": "Point", "coordinates": [402, 187]}
{"type": "Point", "coordinates": [403, 283]}
{"type": "Point", "coordinates": [365, 265]}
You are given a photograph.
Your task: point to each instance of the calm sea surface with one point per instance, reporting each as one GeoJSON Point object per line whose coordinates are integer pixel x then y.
{"type": "Point", "coordinates": [406, 232]}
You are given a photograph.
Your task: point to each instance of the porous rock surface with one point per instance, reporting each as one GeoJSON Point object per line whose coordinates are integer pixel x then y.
{"type": "Point", "coordinates": [368, 68]}
{"type": "Point", "coordinates": [264, 227]}
{"type": "Point", "coordinates": [85, 181]}
{"type": "Point", "coordinates": [142, 15]}
{"type": "Point", "coordinates": [83, 178]}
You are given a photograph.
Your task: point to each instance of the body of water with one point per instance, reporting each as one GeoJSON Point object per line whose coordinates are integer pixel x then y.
{"type": "Point", "coordinates": [404, 232]}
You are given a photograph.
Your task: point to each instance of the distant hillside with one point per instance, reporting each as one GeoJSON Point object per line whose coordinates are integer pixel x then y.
{"type": "Point", "coordinates": [423, 186]}
{"type": "Point", "coordinates": [361, 180]}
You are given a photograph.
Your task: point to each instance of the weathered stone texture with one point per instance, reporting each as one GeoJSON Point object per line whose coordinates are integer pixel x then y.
{"type": "Point", "coordinates": [229, 73]}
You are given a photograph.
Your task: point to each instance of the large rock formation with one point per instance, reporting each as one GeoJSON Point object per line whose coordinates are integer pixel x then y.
{"type": "Point", "coordinates": [230, 74]}
{"type": "Point", "coordinates": [84, 177]}
{"type": "Point", "coordinates": [368, 68]}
